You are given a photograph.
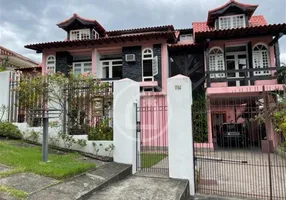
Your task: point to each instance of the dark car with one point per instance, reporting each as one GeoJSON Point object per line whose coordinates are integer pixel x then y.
{"type": "Point", "coordinates": [231, 134]}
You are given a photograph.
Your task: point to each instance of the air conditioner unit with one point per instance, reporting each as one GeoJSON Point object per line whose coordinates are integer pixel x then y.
{"type": "Point", "coordinates": [130, 58]}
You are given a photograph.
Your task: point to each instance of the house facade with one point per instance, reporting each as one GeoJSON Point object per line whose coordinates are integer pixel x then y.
{"type": "Point", "coordinates": [230, 57]}
{"type": "Point", "coordinates": [15, 61]}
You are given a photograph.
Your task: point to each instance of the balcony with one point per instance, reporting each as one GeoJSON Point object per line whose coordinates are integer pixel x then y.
{"type": "Point", "coordinates": [243, 80]}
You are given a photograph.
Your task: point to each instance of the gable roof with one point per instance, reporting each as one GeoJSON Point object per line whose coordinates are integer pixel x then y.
{"type": "Point", "coordinates": [64, 24]}
{"type": "Point", "coordinates": [16, 58]}
{"type": "Point", "coordinates": [248, 8]}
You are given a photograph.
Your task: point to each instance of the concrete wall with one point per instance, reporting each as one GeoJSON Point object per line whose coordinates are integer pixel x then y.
{"type": "Point", "coordinates": [181, 159]}
{"type": "Point", "coordinates": [99, 150]}
{"type": "Point", "coordinates": [5, 91]}
{"type": "Point", "coordinates": [126, 96]}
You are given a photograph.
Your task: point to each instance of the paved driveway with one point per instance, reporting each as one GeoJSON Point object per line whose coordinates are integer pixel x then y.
{"type": "Point", "coordinates": [242, 173]}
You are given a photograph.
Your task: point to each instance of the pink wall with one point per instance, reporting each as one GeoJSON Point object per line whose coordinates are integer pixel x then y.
{"type": "Point", "coordinates": [154, 120]}
{"type": "Point", "coordinates": [265, 40]}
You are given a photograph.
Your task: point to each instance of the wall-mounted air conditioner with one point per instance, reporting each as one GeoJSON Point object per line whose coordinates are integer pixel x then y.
{"type": "Point", "coordinates": [130, 58]}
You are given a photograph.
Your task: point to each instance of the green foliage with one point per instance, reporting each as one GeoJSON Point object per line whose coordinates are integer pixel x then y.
{"type": "Point", "coordinates": [81, 142]}
{"type": "Point", "coordinates": [102, 131]}
{"type": "Point", "coordinates": [95, 148]}
{"type": "Point", "coordinates": [19, 194]}
{"type": "Point", "coordinates": [200, 126]}
{"type": "Point", "coordinates": [8, 130]}
{"type": "Point", "coordinates": [110, 149]}
{"type": "Point", "coordinates": [68, 139]}
{"type": "Point", "coordinates": [281, 74]}
{"type": "Point", "coordinates": [279, 120]}
{"type": "Point", "coordinates": [4, 64]}
{"type": "Point", "coordinates": [32, 136]}
{"type": "Point", "coordinates": [3, 110]}
{"type": "Point", "coordinates": [28, 160]}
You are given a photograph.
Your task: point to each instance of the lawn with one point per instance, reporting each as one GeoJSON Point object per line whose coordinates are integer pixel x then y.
{"type": "Point", "coordinates": [28, 159]}
{"type": "Point", "coordinates": [150, 159]}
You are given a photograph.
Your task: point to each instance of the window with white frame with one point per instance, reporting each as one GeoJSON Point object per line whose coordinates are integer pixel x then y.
{"type": "Point", "coordinates": [81, 67]}
{"type": "Point", "coordinates": [233, 21]}
{"type": "Point", "coordinates": [51, 64]}
{"type": "Point", "coordinates": [95, 34]}
{"type": "Point", "coordinates": [147, 70]}
{"type": "Point", "coordinates": [261, 59]}
{"type": "Point", "coordinates": [112, 68]}
{"type": "Point", "coordinates": [216, 62]}
{"type": "Point", "coordinates": [186, 37]}
{"type": "Point", "coordinates": [81, 34]}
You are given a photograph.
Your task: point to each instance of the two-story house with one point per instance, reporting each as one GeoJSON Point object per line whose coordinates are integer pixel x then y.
{"type": "Point", "coordinates": [231, 56]}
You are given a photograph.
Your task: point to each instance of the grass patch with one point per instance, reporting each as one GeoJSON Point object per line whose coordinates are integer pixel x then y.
{"type": "Point", "coordinates": [150, 159]}
{"type": "Point", "coordinates": [28, 159]}
{"type": "Point", "coordinates": [19, 194]}
{"type": "Point", "coordinates": [11, 172]}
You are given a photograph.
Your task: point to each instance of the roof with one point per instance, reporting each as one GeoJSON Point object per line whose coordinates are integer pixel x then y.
{"type": "Point", "coordinates": [249, 8]}
{"type": "Point", "coordinates": [37, 67]}
{"type": "Point", "coordinates": [84, 21]}
{"type": "Point", "coordinates": [140, 30]}
{"type": "Point", "coordinates": [169, 35]}
{"type": "Point", "coordinates": [258, 20]}
{"type": "Point", "coordinates": [254, 31]}
{"type": "Point", "coordinates": [7, 52]}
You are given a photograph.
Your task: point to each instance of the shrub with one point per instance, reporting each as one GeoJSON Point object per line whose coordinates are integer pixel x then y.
{"type": "Point", "coordinates": [101, 131]}
{"type": "Point", "coordinates": [8, 130]}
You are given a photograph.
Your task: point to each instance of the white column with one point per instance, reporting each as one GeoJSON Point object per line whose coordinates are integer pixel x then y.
{"type": "Point", "coordinates": [4, 88]}
{"type": "Point", "coordinates": [180, 136]}
{"type": "Point", "coordinates": [126, 95]}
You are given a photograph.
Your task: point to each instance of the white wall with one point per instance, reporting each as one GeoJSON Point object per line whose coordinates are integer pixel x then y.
{"type": "Point", "coordinates": [4, 90]}
{"type": "Point", "coordinates": [53, 133]}
{"type": "Point", "coordinates": [180, 135]}
{"type": "Point", "coordinates": [126, 95]}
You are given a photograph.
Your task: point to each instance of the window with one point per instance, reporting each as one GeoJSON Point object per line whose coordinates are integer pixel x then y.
{"type": "Point", "coordinates": [260, 59]}
{"type": "Point", "coordinates": [112, 68]}
{"type": "Point", "coordinates": [95, 34]}
{"type": "Point", "coordinates": [216, 62]}
{"type": "Point", "coordinates": [185, 37]}
{"type": "Point", "coordinates": [82, 34]}
{"type": "Point", "coordinates": [51, 64]}
{"type": "Point", "coordinates": [81, 67]}
{"type": "Point", "coordinates": [234, 21]}
{"type": "Point", "coordinates": [147, 57]}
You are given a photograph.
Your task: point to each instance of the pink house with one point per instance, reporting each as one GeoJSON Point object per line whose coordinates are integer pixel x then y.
{"type": "Point", "coordinates": [230, 57]}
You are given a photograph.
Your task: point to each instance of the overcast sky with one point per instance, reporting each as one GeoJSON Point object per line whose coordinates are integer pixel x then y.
{"type": "Point", "coordinates": [32, 21]}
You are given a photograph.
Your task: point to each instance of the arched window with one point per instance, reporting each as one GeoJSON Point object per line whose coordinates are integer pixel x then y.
{"type": "Point", "coordinates": [216, 62]}
{"type": "Point", "coordinates": [147, 57]}
{"type": "Point", "coordinates": [51, 64]}
{"type": "Point", "coordinates": [260, 59]}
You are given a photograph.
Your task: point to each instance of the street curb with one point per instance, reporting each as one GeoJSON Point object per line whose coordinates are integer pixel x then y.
{"type": "Point", "coordinates": [119, 176]}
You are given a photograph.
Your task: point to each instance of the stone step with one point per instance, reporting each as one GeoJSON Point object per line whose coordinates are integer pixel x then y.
{"type": "Point", "coordinates": [82, 187]}
{"type": "Point", "coordinates": [144, 188]}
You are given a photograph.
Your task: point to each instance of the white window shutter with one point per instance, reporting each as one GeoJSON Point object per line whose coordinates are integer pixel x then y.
{"type": "Point", "coordinates": [155, 69]}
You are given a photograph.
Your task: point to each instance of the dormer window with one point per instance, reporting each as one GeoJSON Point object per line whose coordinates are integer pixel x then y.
{"type": "Point", "coordinates": [185, 37]}
{"type": "Point", "coordinates": [233, 21]}
{"type": "Point", "coordinates": [95, 34]}
{"type": "Point", "coordinates": [81, 34]}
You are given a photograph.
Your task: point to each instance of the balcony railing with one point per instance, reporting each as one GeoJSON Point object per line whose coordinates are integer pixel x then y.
{"type": "Point", "coordinates": [248, 75]}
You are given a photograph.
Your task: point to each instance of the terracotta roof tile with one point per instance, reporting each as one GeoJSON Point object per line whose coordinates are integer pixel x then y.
{"type": "Point", "coordinates": [8, 52]}
{"type": "Point", "coordinates": [258, 20]}
{"type": "Point", "coordinates": [140, 30]}
{"type": "Point", "coordinates": [232, 1]}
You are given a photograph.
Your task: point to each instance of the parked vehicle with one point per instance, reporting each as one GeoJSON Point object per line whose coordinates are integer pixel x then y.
{"type": "Point", "coordinates": [231, 134]}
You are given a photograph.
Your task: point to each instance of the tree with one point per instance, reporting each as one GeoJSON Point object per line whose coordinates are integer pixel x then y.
{"type": "Point", "coordinates": [4, 63]}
